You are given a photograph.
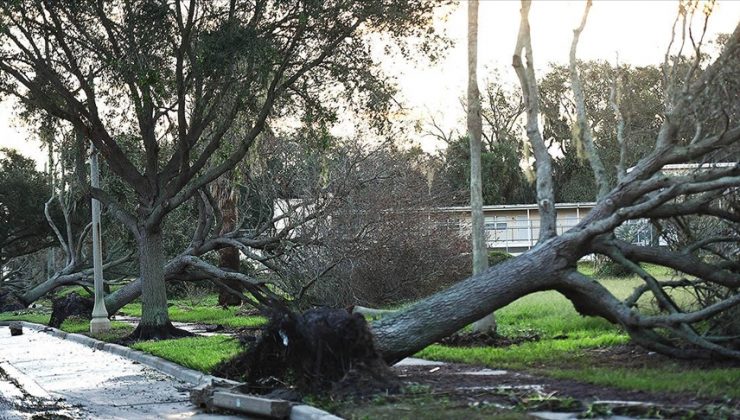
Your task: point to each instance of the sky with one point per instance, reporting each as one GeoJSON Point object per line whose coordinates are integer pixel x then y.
{"type": "Point", "coordinates": [638, 30]}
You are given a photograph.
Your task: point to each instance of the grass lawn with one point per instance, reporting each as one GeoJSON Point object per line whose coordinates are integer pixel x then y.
{"type": "Point", "coordinates": [566, 338]}
{"type": "Point", "coordinates": [206, 311]}
{"type": "Point", "coordinates": [565, 348]}
{"type": "Point", "coordinates": [200, 353]}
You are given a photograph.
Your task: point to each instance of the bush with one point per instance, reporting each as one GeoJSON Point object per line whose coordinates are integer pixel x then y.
{"type": "Point", "coordinates": [497, 257]}
{"type": "Point", "coordinates": [383, 244]}
{"type": "Point", "coordinates": [610, 268]}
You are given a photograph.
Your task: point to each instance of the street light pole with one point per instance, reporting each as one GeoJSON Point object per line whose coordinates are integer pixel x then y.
{"type": "Point", "coordinates": [100, 321]}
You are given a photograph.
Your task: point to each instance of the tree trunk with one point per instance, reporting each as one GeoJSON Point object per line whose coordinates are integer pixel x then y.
{"type": "Point", "coordinates": [155, 321]}
{"type": "Point", "coordinates": [480, 251]}
{"type": "Point", "coordinates": [229, 260]}
{"type": "Point", "coordinates": [228, 257]}
{"type": "Point", "coordinates": [412, 329]}
{"type": "Point", "coordinates": [39, 291]}
{"type": "Point", "coordinates": [154, 294]}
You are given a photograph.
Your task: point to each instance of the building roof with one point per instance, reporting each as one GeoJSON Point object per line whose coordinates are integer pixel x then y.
{"type": "Point", "coordinates": [499, 207]}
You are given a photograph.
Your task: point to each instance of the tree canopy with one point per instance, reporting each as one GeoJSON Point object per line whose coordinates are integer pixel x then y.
{"type": "Point", "coordinates": [23, 192]}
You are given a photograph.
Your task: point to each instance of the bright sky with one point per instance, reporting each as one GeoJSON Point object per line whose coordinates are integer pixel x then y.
{"type": "Point", "coordinates": [638, 30]}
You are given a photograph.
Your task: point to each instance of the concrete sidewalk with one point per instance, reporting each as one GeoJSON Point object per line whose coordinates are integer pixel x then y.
{"type": "Point", "coordinates": [95, 384]}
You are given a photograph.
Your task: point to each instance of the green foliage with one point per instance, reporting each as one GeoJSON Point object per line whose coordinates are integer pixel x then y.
{"type": "Point", "coordinates": [610, 268]}
{"type": "Point", "coordinates": [641, 104]}
{"type": "Point", "coordinates": [715, 382]}
{"type": "Point", "coordinates": [199, 353]}
{"type": "Point", "coordinates": [23, 193]}
{"type": "Point", "coordinates": [497, 257]}
{"type": "Point", "coordinates": [502, 178]}
{"type": "Point", "coordinates": [206, 313]}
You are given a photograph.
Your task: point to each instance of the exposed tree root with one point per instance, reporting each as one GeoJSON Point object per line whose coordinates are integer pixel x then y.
{"type": "Point", "coordinates": [70, 305]}
{"type": "Point", "coordinates": [10, 302]}
{"type": "Point", "coordinates": [147, 332]}
{"type": "Point", "coordinates": [321, 350]}
{"type": "Point", "coordinates": [474, 339]}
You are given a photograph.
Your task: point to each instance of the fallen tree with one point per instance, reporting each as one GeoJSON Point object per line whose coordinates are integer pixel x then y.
{"type": "Point", "coordinates": [699, 101]}
{"type": "Point", "coordinates": [700, 126]}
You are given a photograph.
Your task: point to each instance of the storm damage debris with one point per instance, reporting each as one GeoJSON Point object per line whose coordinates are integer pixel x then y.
{"type": "Point", "coordinates": [16, 329]}
{"type": "Point", "coordinates": [70, 305]}
{"type": "Point", "coordinates": [319, 351]}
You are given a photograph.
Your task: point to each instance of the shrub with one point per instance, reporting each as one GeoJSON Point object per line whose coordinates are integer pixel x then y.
{"type": "Point", "coordinates": [610, 268]}
{"type": "Point", "coordinates": [497, 257]}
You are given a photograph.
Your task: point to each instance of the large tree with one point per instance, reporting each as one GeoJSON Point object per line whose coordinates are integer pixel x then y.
{"type": "Point", "coordinates": [174, 78]}
{"type": "Point", "coordinates": [699, 125]}
{"type": "Point", "coordinates": [23, 192]}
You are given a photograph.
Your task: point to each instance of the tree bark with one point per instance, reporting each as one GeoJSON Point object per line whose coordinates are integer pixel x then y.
{"type": "Point", "coordinates": [155, 321]}
{"type": "Point", "coordinates": [406, 332]}
{"type": "Point", "coordinates": [530, 95]}
{"type": "Point", "coordinates": [228, 256]}
{"type": "Point", "coordinates": [480, 251]}
{"type": "Point", "coordinates": [154, 294]}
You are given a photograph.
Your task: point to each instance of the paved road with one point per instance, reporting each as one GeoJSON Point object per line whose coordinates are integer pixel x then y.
{"type": "Point", "coordinates": [91, 384]}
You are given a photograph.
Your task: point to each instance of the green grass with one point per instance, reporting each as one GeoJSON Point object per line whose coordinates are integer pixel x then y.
{"type": "Point", "coordinates": [706, 383]}
{"type": "Point", "coordinates": [566, 343]}
{"type": "Point", "coordinates": [205, 313]}
{"type": "Point", "coordinates": [36, 318]}
{"type": "Point", "coordinates": [200, 353]}
{"type": "Point", "coordinates": [524, 356]}
{"type": "Point", "coordinates": [82, 326]}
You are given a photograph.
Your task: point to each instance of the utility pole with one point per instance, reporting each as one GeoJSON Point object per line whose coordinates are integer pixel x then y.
{"type": "Point", "coordinates": [100, 321]}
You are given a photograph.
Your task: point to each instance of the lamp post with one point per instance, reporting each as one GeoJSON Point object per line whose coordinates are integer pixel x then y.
{"type": "Point", "coordinates": [100, 321]}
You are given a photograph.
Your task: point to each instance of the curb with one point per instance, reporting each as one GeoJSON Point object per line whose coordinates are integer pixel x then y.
{"type": "Point", "coordinates": [297, 412]}
{"type": "Point", "coordinates": [173, 369]}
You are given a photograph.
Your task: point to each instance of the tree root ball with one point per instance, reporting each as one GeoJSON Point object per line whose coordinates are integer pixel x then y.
{"type": "Point", "coordinates": [9, 302]}
{"type": "Point", "coordinates": [70, 305]}
{"type": "Point", "coordinates": [322, 350]}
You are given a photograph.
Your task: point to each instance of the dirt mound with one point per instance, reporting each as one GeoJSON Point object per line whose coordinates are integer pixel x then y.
{"type": "Point", "coordinates": [71, 305]}
{"type": "Point", "coordinates": [485, 340]}
{"type": "Point", "coordinates": [9, 302]}
{"type": "Point", "coordinates": [322, 350]}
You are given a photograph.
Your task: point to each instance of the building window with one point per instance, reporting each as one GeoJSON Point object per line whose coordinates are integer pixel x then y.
{"type": "Point", "coordinates": [490, 225]}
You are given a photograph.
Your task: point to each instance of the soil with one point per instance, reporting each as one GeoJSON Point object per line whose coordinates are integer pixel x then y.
{"type": "Point", "coordinates": [166, 332]}
{"type": "Point", "coordinates": [319, 351]}
{"type": "Point", "coordinates": [71, 305]}
{"type": "Point", "coordinates": [485, 340]}
{"type": "Point", "coordinates": [528, 392]}
{"type": "Point", "coordinates": [632, 356]}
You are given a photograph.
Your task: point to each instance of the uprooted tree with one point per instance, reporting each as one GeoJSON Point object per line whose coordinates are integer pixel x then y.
{"type": "Point", "coordinates": [699, 128]}
{"type": "Point", "coordinates": [192, 84]}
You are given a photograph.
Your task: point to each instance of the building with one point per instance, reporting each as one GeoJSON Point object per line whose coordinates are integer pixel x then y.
{"type": "Point", "coordinates": [514, 228]}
